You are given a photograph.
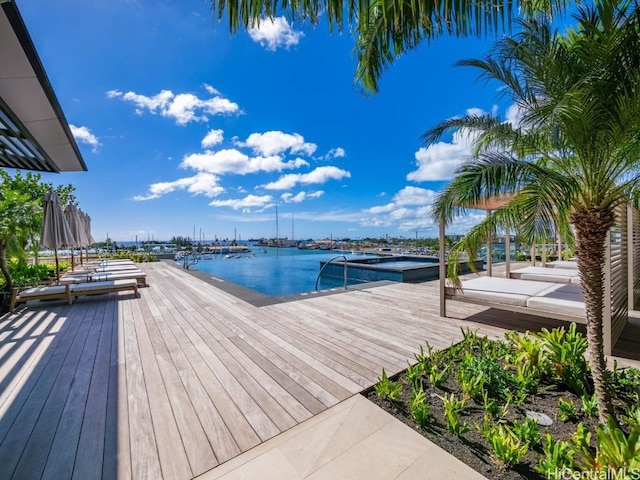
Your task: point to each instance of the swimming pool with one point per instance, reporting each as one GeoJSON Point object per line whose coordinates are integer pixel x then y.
{"type": "Point", "coordinates": [275, 272]}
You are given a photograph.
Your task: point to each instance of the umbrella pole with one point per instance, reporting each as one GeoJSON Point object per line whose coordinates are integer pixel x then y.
{"type": "Point", "coordinates": [72, 262]}
{"type": "Point", "coordinates": [55, 251]}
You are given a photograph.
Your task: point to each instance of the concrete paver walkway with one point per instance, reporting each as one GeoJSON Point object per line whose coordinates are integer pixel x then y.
{"type": "Point", "coordinates": [352, 440]}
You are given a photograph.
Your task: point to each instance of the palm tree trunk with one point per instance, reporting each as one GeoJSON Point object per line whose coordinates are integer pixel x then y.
{"type": "Point", "coordinates": [4, 269]}
{"type": "Point", "coordinates": [591, 227]}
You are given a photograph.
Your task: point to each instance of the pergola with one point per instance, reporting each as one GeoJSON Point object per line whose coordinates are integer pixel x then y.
{"type": "Point", "coordinates": [34, 134]}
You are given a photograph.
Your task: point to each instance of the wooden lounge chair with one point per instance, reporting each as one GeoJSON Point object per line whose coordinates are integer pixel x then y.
{"type": "Point", "coordinates": [138, 275]}
{"type": "Point", "coordinates": [70, 291]}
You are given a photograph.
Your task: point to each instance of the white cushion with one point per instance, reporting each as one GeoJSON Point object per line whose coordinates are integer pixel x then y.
{"type": "Point", "coordinates": [506, 285]}
{"type": "Point", "coordinates": [571, 264]}
{"type": "Point", "coordinates": [43, 291]}
{"type": "Point", "coordinates": [496, 297]}
{"type": "Point", "coordinates": [554, 305]}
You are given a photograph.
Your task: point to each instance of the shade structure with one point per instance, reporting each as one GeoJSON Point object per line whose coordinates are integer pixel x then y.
{"type": "Point", "coordinates": [34, 133]}
{"type": "Point", "coordinates": [55, 228]}
{"type": "Point", "coordinates": [76, 225]}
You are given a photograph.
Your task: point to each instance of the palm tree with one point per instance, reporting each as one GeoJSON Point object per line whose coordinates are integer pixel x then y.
{"type": "Point", "coordinates": [575, 154]}
{"type": "Point", "coordinates": [385, 29]}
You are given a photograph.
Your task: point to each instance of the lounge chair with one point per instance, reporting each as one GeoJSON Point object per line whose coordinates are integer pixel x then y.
{"type": "Point", "coordinates": [69, 291]}
{"type": "Point", "coordinates": [554, 300]}
{"type": "Point", "coordinates": [113, 268]}
{"type": "Point", "coordinates": [555, 275]}
{"type": "Point", "coordinates": [105, 263]}
{"type": "Point", "coordinates": [138, 275]}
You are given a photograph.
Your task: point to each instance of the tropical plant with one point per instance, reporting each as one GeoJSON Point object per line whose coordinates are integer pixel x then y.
{"type": "Point", "coordinates": [589, 405]}
{"type": "Point", "coordinates": [414, 373]}
{"type": "Point", "coordinates": [567, 409]}
{"type": "Point", "coordinates": [507, 448]}
{"type": "Point", "coordinates": [565, 350]}
{"type": "Point", "coordinates": [616, 453]}
{"type": "Point", "coordinates": [388, 389]}
{"type": "Point", "coordinates": [439, 376]}
{"type": "Point", "coordinates": [557, 459]}
{"type": "Point", "coordinates": [419, 407]}
{"type": "Point", "coordinates": [573, 155]}
{"type": "Point", "coordinates": [527, 431]}
{"type": "Point", "coordinates": [386, 30]}
{"type": "Point", "coordinates": [453, 407]}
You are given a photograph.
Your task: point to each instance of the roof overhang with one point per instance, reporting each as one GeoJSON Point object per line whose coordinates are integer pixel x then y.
{"type": "Point", "coordinates": [34, 134]}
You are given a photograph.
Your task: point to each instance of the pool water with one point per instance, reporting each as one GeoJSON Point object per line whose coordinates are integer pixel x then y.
{"type": "Point", "coordinates": [275, 272]}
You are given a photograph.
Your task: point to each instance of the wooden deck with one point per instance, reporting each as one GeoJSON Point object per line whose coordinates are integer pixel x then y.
{"type": "Point", "coordinates": [175, 382]}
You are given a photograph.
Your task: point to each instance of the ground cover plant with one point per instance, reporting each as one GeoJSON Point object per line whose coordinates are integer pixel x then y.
{"type": "Point", "coordinates": [522, 407]}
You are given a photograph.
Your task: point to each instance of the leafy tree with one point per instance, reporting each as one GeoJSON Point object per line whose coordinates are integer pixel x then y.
{"type": "Point", "coordinates": [575, 154]}
{"type": "Point", "coordinates": [21, 215]}
{"type": "Point", "coordinates": [385, 29]}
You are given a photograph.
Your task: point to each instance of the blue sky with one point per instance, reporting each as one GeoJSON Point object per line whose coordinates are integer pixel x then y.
{"type": "Point", "coordinates": [182, 125]}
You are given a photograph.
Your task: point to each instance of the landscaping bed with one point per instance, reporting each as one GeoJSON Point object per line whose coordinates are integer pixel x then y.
{"type": "Point", "coordinates": [481, 391]}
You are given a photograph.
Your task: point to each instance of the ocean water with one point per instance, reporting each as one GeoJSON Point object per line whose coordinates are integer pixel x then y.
{"type": "Point", "coordinates": [275, 272]}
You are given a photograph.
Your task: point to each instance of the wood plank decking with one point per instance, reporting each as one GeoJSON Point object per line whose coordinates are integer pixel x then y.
{"type": "Point", "coordinates": [175, 382]}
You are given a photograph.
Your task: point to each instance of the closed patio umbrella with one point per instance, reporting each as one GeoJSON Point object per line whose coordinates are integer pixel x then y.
{"type": "Point", "coordinates": [55, 229]}
{"type": "Point", "coordinates": [76, 225]}
{"type": "Point", "coordinates": [87, 238]}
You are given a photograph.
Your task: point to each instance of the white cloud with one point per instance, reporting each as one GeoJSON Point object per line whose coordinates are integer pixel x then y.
{"type": "Point", "coordinates": [234, 161]}
{"type": "Point", "coordinates": [212, 138]}
{"type": "Point", "coordinates": [200, 184]}
{"type": "Point", "coordinates": [440, 160]}
{"type": "Point", "coordinates": [318, 176]}
{"type": "Point", "coordinates": [514, 115]}
{"type": "Point", "coordinates": [408, 196]}
{"type": "Point", "coordinates": [337, 152]}
{"type": "Point", "coordinates": [248, 202]}
{"type": "Point", "coordinates": [409, 208]}
{"type": "Point", "coordinates": [276, 142]}
{"type": "Point", "coordinates": [84, 135]}
{"type": "Point", "coordinates": [275, 33]}
{"type": "Point", "coordinates": [300, 196]}
{"type": "Point", "coordinates": [210, 89]}
{"type": "Point", "coordinates": [183, 107]}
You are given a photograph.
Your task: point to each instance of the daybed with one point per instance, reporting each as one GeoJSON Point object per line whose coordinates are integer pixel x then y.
{"type": "Point", "coordinates": [555, 300]}
{"type": "Point", "coordinates": [69, 291]}
{"type": "Point", "coordinates": [555, 275]}
{"type": "Point", "coordinates": [570, 264]}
